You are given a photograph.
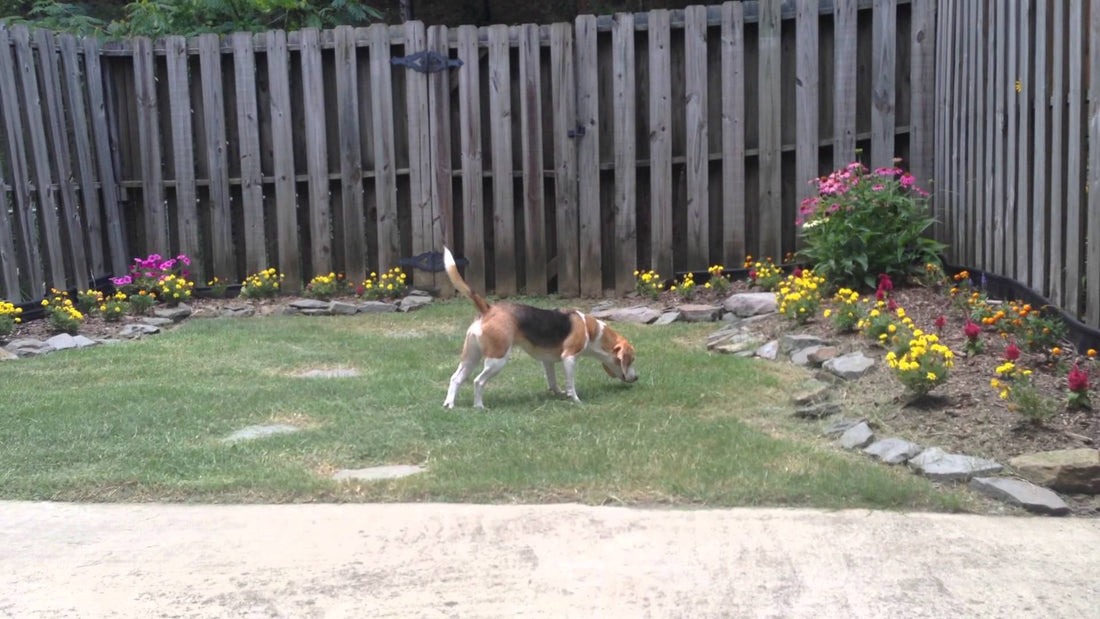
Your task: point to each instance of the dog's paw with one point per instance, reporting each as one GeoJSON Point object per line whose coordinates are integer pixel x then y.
{"type": "Point", "coordinates": [448, 405]}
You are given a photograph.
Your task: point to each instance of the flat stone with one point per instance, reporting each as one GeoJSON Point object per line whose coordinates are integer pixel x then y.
{"type": "Point", "coordinates": [850, 366]}
{"type": "Point", "coordinates": [797, 341]}
{"type": "Point", "coordinates": [768, 351]}
{"type": "Point", "coordinates": [62, 341]}
{"type": "Point", "coordinates": [84, 342]}
{"type": "Point", "coordinates": [337, 373]}
{"type": "Point", "coordinates": [7, 356]}
{"type": "Point", "coordinates": [376, 307]}
{"type": "Point", "coordinates": [821, 354]}
{"type": "Point", "coordinates": [1066, 470]}
{"type": "Point", "coordinates": [893, 450]}
{"type": "Point", "coordinates": [418, 293]}
{"type": "Point", "coordinates": [601, 306]}
{"type": "Point", "coordinates": [254, 432]}
{"type": "Point", "coordinates": [726, 334]}
{"type": "Point", "coordinates": [811, 392]}
{"type": "Point", "coordinates": [342, 308]}
{"type": "Point", "coordinates": [175, 314]}
{"type": "Point", "coordinates": [28, 347]}
{"type": "Point", "coordinates": [1027, 495]}
{"type": "Point", "coordinates": [695, 312]}
{"type": "Point", "coordinates": [638, 314]}
{"type": "Point", "coordinates": [940, 466]}
{"type": "Point", "coordinates": [378, 473]}
{"type": "Point", "coordinates": [315, 312]}
{"type": "Point", "coordinates": [156, 322]}
{"type": "Point", "coordinates": [667, 318]}
{"type": "Point", "coordinates": [238, 311]}
{"type": "Point", "coordinates": [108, 341]}
{"type": "Point", "coordinates": [309, 304]}
{"type": "Point", "coordinates": [743, 344]}
{"type": "Point", "coordinates": [817, 411]}
{"type": "Point", "coordinates": [856, 437]}
{"type": "Point", "coordinates": [801, 357]}
{"type": "Point", "coordinates": [413, 302]}
{"type": "Point", "coordinates": [730, 317]}
{"type": "Point", "coordinates": [747, 304]}
{"type": "Point", "coordinates": [840, 426]}
{"type": "Point", "coordinates": [136, 330]}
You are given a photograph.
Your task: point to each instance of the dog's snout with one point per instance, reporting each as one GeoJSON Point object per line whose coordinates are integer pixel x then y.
{"type": "Point", "coordinates": [633, 378]}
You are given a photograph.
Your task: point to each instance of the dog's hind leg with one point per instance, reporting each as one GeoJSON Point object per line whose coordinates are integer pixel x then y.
{"type": "Point", "coordinates": [493, 366]}
{"type": "Point", "coordinates": [471, 355]}
{"type": "Point", "coordinates": [570, 363]}
{"type": "Point", "coordinates": [552, 378]}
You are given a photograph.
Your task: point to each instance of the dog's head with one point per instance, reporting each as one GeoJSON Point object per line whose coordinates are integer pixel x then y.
{"type": "Point", "coordinates": [621, 365]}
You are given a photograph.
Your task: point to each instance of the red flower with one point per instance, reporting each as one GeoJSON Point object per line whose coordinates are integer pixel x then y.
{"type": "Point", "coordinates": [1012, 352]}
{"type": "Point", "coordinates": [798, 271]}
{"type": "Point", "coordinates": [941, 321]}
{"type": "Point", "coordinates": [1078, 380]}
{"type": "Point", "coordinates": [752, 274]}
{"type": "Point", "coordinates": [359, 290]}
{"type": "Point", "coordinates": [972, 330]}
{"type": "Point", "coordinates": [884, 282]}
{"type": "Point", "coordinates": [891, 305]}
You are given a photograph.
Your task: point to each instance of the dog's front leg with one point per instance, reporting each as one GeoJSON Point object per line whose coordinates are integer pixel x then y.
{"type": "Point", "coordinates": [570, 364]}
{"type": "Point", "coordinates": [552, 378]}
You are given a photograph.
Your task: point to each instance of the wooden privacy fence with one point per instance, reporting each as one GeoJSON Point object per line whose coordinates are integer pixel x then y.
{"type": "Point", "coordinates": [558, 157]}
{"type": "Point", "coordinates": [1018, 143]}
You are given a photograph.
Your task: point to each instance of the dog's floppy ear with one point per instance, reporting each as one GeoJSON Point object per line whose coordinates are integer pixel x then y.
{"type": "Point", "coordinates": [617, 349]}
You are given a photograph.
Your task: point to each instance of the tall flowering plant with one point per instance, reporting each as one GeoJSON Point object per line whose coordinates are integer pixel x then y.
{"type": "Point", "coordinates": [924, 366]}
{"type": "Point", "coordinates": [149, 272]}
{"type": "Point", "coordinates": [1078, 383]}
{"type": "Point", "coordinates": [9, 317]}
{"type": "Point", "coordinates": [863, 223]}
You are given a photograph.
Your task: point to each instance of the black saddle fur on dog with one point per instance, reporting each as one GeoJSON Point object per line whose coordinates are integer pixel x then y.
{"type": "Point", "coordinates": [542, 327]}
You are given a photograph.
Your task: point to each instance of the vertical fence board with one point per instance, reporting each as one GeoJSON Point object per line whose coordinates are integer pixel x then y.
{"type": "Point", "coordinates": [469, 122]}
{"type": "Point", "coordinates": [152, 175]}
{"type": "Point", "coordinates": [1022, 272]}
{"type": "Point", "coordinates": [940, 231]}
{"type": "Point", "coordinates": [998, 84]}
{"type": "Point", "coordinates": [806, 99]}
{"type": "Point", "coordinates": [78, 119]}
{"type": "Point", "coordinates": [40, 158]}
{"type": "Point", "coordinates": [845, 63]}
{"type": "Point", "coordinates": [313, 100]}
{"type": "Point", "coordinates": [1057, 157]}
{"type": "Point", "coordinates": [282, 144]}
{"type": "Point", "coordinates": [733, 134]}
{"type": "Point", "coordinates": [116, 235]}
{"type": "Point", "coordinates": [883, 67]}
{"type": "Point", "coordinates": [1039, 170]}
{"type": "Point", "coordinates": [351, 159]}
{"type": "Point", "coordinates": [1074, 158]}
{"type": "Point", "coordinates": [385, 168]}
{"type": "Point", "coordinates": [588, 157]}
{"type": "Point", "coordinates": [9, 270]}
{"type": "Point", "coordinates": [769, 92]}
{"type": "Point", "coordinates": [500, 108]}
{"type": "Point", "coordinates": [954, 109]}
{"type": "Point", "coordinates": [213, 109]}
{"type": "Point", "coordinates": [660, 142]}
{"type": "Point", "coordinates": [248, 137]}
{"type": "Point", "coordinates": [625, 133]}
{"type": "Point", "coordinates": [989, 107]}
{"type": "Point", "coordinates": [698, 149]}
{"type": "Point", "coordinates": [977, 15]}
{"type": "Point", "coordinates": [183, 151]}
{"type": "Point", "coordinates": [923, 77]}
{"type": "Point", "coordinates": [563, 81]}
{"type": "Point", "coordinates": [439, 139]}
{"type": "Point", "coordinates": [531, 117]}
{"type": "Point", "coordinates": [1092, 260]}
{"type": "Point", "coordinates": [420, 163]}
{"type": "Point", "coordinates": [972, 147]}
{"type": "Point", "coordinates": [1008, 267]}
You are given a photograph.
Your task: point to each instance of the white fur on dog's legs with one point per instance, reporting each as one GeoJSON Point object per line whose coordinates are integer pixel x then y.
{"type": "Point", "coordinates": [469, 361]}
{"type": "Point", "coordinates": [552, 378]}
{"type": "Point", "coordinates": [570, 364]}
{"type": "Point", "coordinates": [492, 368]}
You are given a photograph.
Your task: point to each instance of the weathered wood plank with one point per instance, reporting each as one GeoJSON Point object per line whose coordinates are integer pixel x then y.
{"type": "Point", "coordinates": [116, 236]}
{"type": "Point", "coordinates": [989, 107]}
{"type": "Point", "coordinates": [1075, 158]}
{"type": "Point", "coordinates": [698, 141]}
{"type": "Point", "coordinates": [213, 111]}
{"type": "Point", "coordinates": [588, 157]}
{"type": "Point", "coordinates": [999, 82]}
{"type": "Point", "coordinates": [563, 93]}
{"type": "Point", "coordinates": [883, 70]}
{"type": "Point", "coordinates": [439, 139]}
{"type": "Point", "coordinates": [248, 138]}
{"type": "Point", "coordinates": [1008, 267]}
{"type": "Point", "coordinates": [9, 267]}
{"type": "Point", "coordinates": [282, 144]}
{"type": "Point", "coordinates": [660, 142]}
{"type": "Point", "coordinates": [530, 121]}
{"type": "Point", "coordinates": [469, 131]}
{"type": "Point", "coordinates": [500, 109]}
{"type": "Point", "coordinates": [806, 97]}
{"type": "Point", "coordinates": [733, 134]}
{"type": "Point", "coordinates": [77, 117]}
{"type": "Point", "coordinates": [954, 178]}
{"type": "Point", "coordinates": [1022, 272]}
{"type": "Point", "coordinates": [183, 152]}
{"type": "Point", "coordinates": [973, 149]}
{"type": "Point", "coordinates": [1039, 183]}
{"type": "Point", "coordinates": [625, 131]}
{"type": "Point", "coordinates": [939, 196]}
{"type": "Point", "coordinates": [922, 92]}
{"type": "Point", "coordinates": [353, 230]}
{"type": "Point", "coordinates": [770, 217]}
{"type": "Point", "coordinates": [845, 63]}
{"type": "Point", "coordinates": [1092, 224]}
{"type": "Point", "coordinates": [313, 102]}
{"type": "Point", "coordinates": [40, 159]}
{"type": "Point", "coordinates": [1057, 156]}
{"type": "Point", "coordinates": [420, 157]}
{"type": "Point", "coordinates": [152, 175]}
{"type": "Point", "coordinates": [977, 104]}
{"type": "Point", "coordinates": [385, 168]}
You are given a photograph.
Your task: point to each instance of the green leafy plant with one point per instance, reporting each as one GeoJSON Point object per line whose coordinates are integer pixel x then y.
{"type": "Point", "coordinates": [799, 296]}
{"type": "Point", "coordinates": [923, 366]}
{"type": "Point", "coordinates": [174, 290]}
{"type": "Point", "coordinates": [686, 288]}
{"type": "Point", "coordinates": [718, 282]}
{"type": "Point", "coordinates": [63, 16]}
{"type": "Point", "coordinates": [648, 283]}
{"type": "Point", "coordinates": [862, 224]}
{"type": "Point", "coordinates": [1014, 385]}
{"type": "Point", "coordinates": [142, 302]}
{"type": "Point", "coordinates": [764, 275]}
{"type": "Point", "coordinates": [262, 285]}
{"type": "Point", "coordinates": [156, 18]}
{"type": "Point", "coordinates": [847, 312]}
{"type": "Point", "coordinates": [63, 316]}
{"type": "Point", "coordinates": [218, 287]}
{"type": "Point", "coordinates": [115, 307]}
{"type": "Point", "coordinates": [88, 301]}
{"type": "Point", "coordinates": [388, 285]}
{"type": "Point", "coordinates": [9, 317]}
{"type": "Point", "coordinates": [327, 286]}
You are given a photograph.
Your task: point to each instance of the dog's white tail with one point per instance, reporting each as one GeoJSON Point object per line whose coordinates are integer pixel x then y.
{"type": "Point", "coordinates": [460, 284]}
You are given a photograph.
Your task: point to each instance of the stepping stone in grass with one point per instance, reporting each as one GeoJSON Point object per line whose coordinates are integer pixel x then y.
{"type": "Point", "coordinates": [254, 432]}
{"type": "Point", "coordinates": [337, 373]}
{"type": "Point", "coordinates": [378, 473]}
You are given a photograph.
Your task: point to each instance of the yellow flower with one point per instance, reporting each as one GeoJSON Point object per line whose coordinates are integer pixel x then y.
{"type": "Point", "coordinates": [828, 313]}
{"type": "Point", "coordinates": [930, 376]}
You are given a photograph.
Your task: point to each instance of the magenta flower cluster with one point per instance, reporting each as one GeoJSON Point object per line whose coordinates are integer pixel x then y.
{"type": "Point", "coordinates": [152, 269]}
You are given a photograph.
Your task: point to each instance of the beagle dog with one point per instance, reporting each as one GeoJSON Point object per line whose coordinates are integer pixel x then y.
{"type": "Point", "coordinates": [551, 336]}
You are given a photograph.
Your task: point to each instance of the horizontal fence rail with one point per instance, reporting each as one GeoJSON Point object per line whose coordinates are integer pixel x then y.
{"type": "Point", "coordinates": [554, 158]}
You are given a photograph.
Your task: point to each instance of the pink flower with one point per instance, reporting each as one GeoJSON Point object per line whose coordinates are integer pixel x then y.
{"type": "Point", "coordinates": [1078, 379]}
{"type": "Point", "coordinates": [907, 180]}
{"type": "Point", "coordinates": [1012, 352]}
{"type": "Point", "coordinates": [752, 274]}
{"type": "Point", "coordinates": [941, 322]}
{"type": "Point", "coordinates": [185, 273]}
{"type": "Point", "coordinates": [876, 188]}
{"type": "Point", "coordinates": [798, 271]}
{"type": "Point", "coordinates": [125, 280]}
{"type": "Point", "coordinates": [892, 305]}
{"type": "Point", "coordinates": [184, 259]}
{"type": "Point", "coordinates": [972, 330]}
{"type": "Point", "coordinates": [884, 282]}
{"type": "Point", "coordinates": [167, 264]}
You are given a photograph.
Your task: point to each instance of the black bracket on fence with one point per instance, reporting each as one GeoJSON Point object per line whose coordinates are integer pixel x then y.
{"type": "Point", "coordinates": [578, 132]}
{"type": "Point", "coordinates": [431, 261]}
{"type": "Point", "coordinates": [427, 62]}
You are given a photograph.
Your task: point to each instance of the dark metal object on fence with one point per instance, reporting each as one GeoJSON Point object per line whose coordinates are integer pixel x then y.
{"type": "Point", "coordinates": [428, 61]}
{"type": "Point", "coordinates": [431, 261]}
{"type": "Point", "coordinates": [578, 132]}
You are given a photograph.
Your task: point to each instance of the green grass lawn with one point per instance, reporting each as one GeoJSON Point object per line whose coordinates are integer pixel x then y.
{"type": "Point", "coordinates": [144, 421]}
